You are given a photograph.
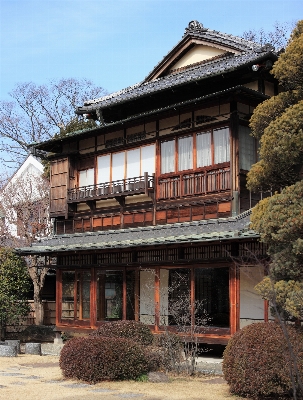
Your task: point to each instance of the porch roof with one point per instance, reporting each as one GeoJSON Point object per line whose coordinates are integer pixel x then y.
{"type": "Point", "coordinates": [220, 229]}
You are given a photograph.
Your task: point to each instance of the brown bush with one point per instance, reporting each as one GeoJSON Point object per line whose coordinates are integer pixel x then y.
{"type": "Point", "coordinates": [94, 359]}
{"type": "Point", "coordinates": [133, 330]}
{"type": "Point", "coordinates": [257, 361]}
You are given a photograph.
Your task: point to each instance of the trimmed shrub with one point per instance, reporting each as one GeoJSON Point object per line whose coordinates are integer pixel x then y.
{"type": "Point", "coordinates": [133, 330]}
{"type": "Point", "coordinates": [257, 362]}
{"type": "Point", "coordinates": [94, 359]}
{"type": "Point", "coordinates": [156, 358]}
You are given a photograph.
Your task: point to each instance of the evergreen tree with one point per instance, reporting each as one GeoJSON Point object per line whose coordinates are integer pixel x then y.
{"type": "Point", "coordinates": [14, 287]}
{"type": "Point", "coordinates": [278, 123]}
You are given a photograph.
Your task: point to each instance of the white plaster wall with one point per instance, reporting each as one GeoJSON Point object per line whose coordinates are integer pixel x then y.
{"type": "Point", "coordinates": [198, 53]}
{"type": "Point", "coordinates": [25, 179]}
{"type": "Point", "coordinates": [147, 297]}
{"type": "Point", "coordinates": [251, 303]}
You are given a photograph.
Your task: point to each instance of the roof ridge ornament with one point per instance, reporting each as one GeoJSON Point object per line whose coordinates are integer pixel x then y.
{"type": "Point", "coordinates": [195, 27]}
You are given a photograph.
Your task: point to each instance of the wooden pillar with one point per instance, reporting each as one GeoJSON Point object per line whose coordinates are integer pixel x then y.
{"type": "Point", "coordinates": [137, 295]}
{"type": "Point", "coordinates": [93, 298]}
{"type": "Point", "coordinates": [265, 310]}
{"type": "Point", "coordinates": [58, 296]}
{"type": "Point", "coordinates": [234, 157]}
{"type": "Point", "coordinates": [124, 295]}
{"type": "Point", "coordinates": [234, 293]}
{"type": "Point", "coordinates": [192, 297]}
{"type": "Point", "coordinates": [75, 294]}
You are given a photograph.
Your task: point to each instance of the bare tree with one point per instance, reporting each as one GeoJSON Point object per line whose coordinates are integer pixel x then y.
{"type": "Point", "coordinates": [180, 319]}
{"type": "Point", "coordinates": [25, 206]}
{"type": "Point", "coordinates": [37, 113]}
{"type": "Point", "coordinates": [278, 36]}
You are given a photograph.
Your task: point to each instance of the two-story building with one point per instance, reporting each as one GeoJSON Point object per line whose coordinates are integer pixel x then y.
{"type": "Point", "coordinates": [151, 206]}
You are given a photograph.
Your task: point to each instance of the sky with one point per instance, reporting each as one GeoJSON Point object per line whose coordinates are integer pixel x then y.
{"type": "Point", "coordinates": [114, 43]}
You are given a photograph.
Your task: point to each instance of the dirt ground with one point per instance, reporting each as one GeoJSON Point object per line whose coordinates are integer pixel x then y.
{"type": "Point", "coordinates": [39, 378]}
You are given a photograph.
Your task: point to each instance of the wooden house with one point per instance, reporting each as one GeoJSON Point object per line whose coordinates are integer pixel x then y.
{"type": "Point", "coordinates": [151, 206]}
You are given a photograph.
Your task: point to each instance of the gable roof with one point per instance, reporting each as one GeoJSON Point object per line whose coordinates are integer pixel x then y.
{"type": "Point", "coordinates": [31, 166]}
{"type": "Point", "coordinates": [238, 53]}
{"type": "Point", "coordinates": [195, 34]}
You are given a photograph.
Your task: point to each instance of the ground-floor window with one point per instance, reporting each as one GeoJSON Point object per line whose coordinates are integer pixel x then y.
{"type": "Point", "coordinates": [109, 295]}
{"type": "Point", "coordinates": [162, 296]}
{"type": "Point", "coordinates": [75, 302]}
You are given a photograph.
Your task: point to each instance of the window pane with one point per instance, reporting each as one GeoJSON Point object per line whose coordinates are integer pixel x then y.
{"type": "Point", "coordinates": [175, 301]}
{"type": "Point", "coordinates": [167, 157]}
{"type": "Point", "coordinates": [185, 153]}
{"type": "Point", "coordinates": [203, 149]}
{"type": "Point", "coordinates": [132, 295]}
{"type": "Point", "coordinates": [118, 164]}
{"type": "Point", "coordinates": [68, 281]}
{"type": "Point", "coordinates": [148, 159]}
{"type": "Point", "coordinates": [103, 169]}
{"type": "Point", "coordinates": [212, 294]}
{"type": "Point", "coordinates": [247, 148]}
{"type": "Point", "coordinates": [109, 295]}
{"type": "Point", "coordinates": [221, 145]}
{"type": "Point", "coordinates": [86, 177]}
{"type": "Point", "coordinates": [133, 163]}
{"type": "Point", "coordinates": [83, 295]}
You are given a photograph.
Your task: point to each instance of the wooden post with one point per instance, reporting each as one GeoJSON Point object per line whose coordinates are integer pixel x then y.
{"type": "Point", "coordinates": [265, 310]}
{"type": "Point", "coordinates": [58, 296]}
{"type": "Point", "coordinates": [137, 294]}
{"type": "Point", "coordinates": [192, 298]}
{"type": "Point", "coordinates": [157, 298]}
{"type": "Point", "coordinates": [124, 295]}
{"type": "Point", "coordinates": [234, 283]}
{"type": "Point", "coordinates": [93, 298]}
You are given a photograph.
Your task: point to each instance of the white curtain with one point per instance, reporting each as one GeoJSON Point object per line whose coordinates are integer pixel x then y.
{"type": "Point", "coordinates": [247, 148]}
{"type": "Point", "coordinates": [148, 159]}
{"type": "Point", "coordinates": [203, 149]}
{"type": "Point", "coordinates": [118, 165]}
{"type": "Point", "coordinates": [185, 153]}
{"type": "Point", "coordinates": [103, 169]}
{"type": "Point", "coordinates": [167, 157]}
{"type": "Point", "coordinates": [133, 163]}
{"type": "Point", "coordinates": [86, 177]}
{"type": "Point", "coordinates": [221, 145]}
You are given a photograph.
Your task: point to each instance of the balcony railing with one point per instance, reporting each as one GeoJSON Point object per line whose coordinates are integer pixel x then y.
{"type": "Point", "coordinates": [188, 184]}
{"type": "Point", "coordinates": [122, 187]}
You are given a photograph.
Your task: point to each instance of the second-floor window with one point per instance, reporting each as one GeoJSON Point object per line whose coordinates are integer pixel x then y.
{"type": "Point", "coordinates": [86, 177]}
{"type": "Point", "coordinates": [201, 149]}
{"type": "Point", "coordinates": [126, 164]}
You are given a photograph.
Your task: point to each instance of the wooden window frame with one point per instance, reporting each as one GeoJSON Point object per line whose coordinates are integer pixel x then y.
{"type": "Point", "coordinates": [125, 161]}
{"type": "Point", "coordinates": [176, 138]}
{"type": "Point", "coordinates": [234, 297]}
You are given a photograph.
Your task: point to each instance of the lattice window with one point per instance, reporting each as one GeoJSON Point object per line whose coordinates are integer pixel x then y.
{"type": "Point", "coordinates": [151, 255]}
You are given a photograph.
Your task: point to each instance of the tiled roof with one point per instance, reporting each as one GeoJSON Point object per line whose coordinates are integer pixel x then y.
{"type": "Point", "coordinates": [186, 232]}
{"type": "Point", "coordinates": [196, 30]}
{"type": "Point", "coordinates": [248, 52]}
{"type": "Point", "coordinates": [250, 93]}
{"type": "Point", "coordinates": [195, 73]}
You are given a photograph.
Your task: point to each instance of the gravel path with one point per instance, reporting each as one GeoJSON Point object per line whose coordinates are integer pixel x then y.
{"type": "Point", "coordinates": [39, 378]}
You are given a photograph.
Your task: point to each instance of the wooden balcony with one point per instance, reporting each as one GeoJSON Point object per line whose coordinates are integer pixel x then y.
{"type": "Point", "coordinates": [196, 183]}
{"type": "Point", "coordinates": [123, 187]}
